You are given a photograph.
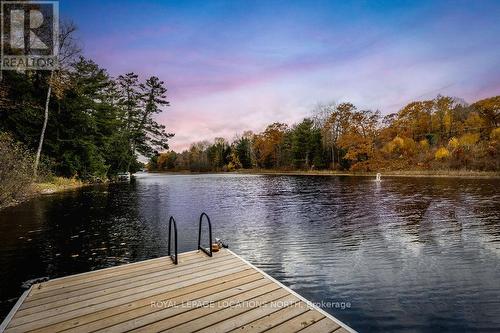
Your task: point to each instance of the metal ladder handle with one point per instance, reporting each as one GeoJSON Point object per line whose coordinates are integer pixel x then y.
{"type": "Point", "coordinates": [173, 257]}
{"type": "Point", "coordinates": [209, 253]}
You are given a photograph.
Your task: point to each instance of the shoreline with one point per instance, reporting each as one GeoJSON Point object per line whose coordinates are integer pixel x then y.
{"type": "Point", "coordinates": [58, 185]}
{"type": "Point", "coordinates": [414, 173]}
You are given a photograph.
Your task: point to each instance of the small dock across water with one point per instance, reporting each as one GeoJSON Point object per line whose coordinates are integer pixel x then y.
{"type": "Point", "coordinates": [222, 293]}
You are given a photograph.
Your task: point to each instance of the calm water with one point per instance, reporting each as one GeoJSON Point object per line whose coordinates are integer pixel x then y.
{"type": "Point", "coordinates": [407, 254]}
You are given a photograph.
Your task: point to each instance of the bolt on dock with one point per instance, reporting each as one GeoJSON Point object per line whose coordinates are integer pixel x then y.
{"type": "Point", "coordinates": [222, 293]}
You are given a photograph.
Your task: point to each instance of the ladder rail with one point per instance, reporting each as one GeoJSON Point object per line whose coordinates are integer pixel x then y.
{"type": "Point", "coordinates": [209, 252]}
{"type": "Point", "coordinates": [173, 257]}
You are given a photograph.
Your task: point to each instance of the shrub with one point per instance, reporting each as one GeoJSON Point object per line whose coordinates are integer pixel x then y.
{"type": "Point", "coordinates": [16, 170]}
{"type": "Point", "coordinates": [495, 134]}
{"type": "Point", "coordinates": [424, 144]}
{"type": "Point", "coordinates": [468, 140]}
{"type": "Point", "coordinates": [441, 154]}
{"type": "Point", "coordinates": [453, 143]}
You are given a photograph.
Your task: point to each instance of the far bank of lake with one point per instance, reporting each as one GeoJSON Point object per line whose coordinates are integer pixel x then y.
{"type": "Point", "coordinates": [61, 184]}
{"type": "Point", "coordinates": [400, 173]}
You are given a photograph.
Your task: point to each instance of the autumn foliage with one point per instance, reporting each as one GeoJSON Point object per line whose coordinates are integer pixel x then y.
{"type": "Point", "coordinates": [443, 133]}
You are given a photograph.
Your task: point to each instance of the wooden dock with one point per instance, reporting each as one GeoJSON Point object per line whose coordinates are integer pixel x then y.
{"type": "Point", "coordinates": [223, 293]}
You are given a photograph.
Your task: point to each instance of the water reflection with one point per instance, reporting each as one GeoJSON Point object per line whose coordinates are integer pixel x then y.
{"type": "Point", "coordinates": [414, 254]}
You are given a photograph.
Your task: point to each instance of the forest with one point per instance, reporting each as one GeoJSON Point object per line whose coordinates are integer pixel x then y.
{"type": "Point", "coordinates": [76, 122]}
{"type": "Point", "coordinates": [79, 121]}
{"type": "Point", "coordinates": [444, 133]}
{"type": "Point", "coordinates": [97, 126]}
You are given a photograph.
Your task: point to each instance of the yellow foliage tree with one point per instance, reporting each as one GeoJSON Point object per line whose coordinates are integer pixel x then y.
{"type": "Point", "coordinates": [468, 140]}
{"type": "Point", "coordinates": [495, 141]}
{"type": "Point", "coordinates": [389, 147]}
{"type": "Point", "coordinates": [398, 142]}
{"type": "Point", "coordinates": [442, 153]}
{"type": "Point", "coordinates": [267, 145]}
{"type": "Point", "coordinates": [453, 143]}
{"type": "Point", "coordinates": [234, 162]}
{"type": "Point", "coordinates": [495, 134]}
{"type": "Point", "coordinates": [424, 144]}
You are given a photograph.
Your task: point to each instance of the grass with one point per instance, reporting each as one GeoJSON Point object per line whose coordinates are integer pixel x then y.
{"type": "Point", "coordinates": [57, 184]}
{"type": "Point", "coordinates": [49, 186]}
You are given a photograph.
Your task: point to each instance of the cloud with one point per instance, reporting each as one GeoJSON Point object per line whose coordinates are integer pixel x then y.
{"type": "Point", "coordinates": [232, 67]}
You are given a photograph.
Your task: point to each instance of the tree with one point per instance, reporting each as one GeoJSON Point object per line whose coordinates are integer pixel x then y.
{"type": "Point", "coordinates": [489, 109]}
{"type": "Point", "coordinates": [243, 149]}
{"type": "Point", "coordinates": [268, 145]}
{"type": "Point", "coordinates": [83, 124]}
{"type": "Point", "coordinates": [139, 103]}
{"type": "Point", "coordinates": [198, 159]}
{"type": "Point", "coordinates": [306, 145]}
{"type": "Point", "coordinates": [359, 139]}
{"type": "Point", "coordinates": [336, 123]}
{"type": "Point", "coordinates": [68, 49]}
{"type": "Point", "coordinates": [149, 134]}
{"type": "Point", "coordinates": [218, 153]}
{"type": "Point", "coordinates": [164, 161]}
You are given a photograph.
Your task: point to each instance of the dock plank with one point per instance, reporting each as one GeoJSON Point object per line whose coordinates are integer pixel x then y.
{"type": "Point", "coordinates": [248, 316]}
{"type": "Point", "coordinates": [298, 323]}
{"type": "Point", "coordinates": [187, 319]}
{"type": "Point", "coordinates": [161, 268]}
{"type": "Point", "coordinates": [322, 326]}
{"type": "Point", "coordinates": [130, 312]}
{"type": "Point", "coordinates": [223, 293]}
{"type": "Point", "coordinates": [110, 272]}
{"type": "Point", "coordinates": [120, 285]}
{"type": "Point", "coordinates": [169, 317]}
{"type": "Point", "coordinates": [274, 319]}
{"type": "Point", "coordinates": [225, 312]}
{"type": "Point", "coordinates": [75, 309]}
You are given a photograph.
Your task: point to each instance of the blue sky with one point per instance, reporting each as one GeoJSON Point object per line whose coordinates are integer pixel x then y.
{"type": "Point", "coordinates": [236, 65]}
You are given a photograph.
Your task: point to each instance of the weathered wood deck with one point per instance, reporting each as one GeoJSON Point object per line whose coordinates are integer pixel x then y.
{"type": "Point", "coordinates": [219, 294]}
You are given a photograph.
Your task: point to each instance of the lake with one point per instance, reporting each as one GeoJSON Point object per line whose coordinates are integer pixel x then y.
{"type": "Point", "coordinates": [405, 254]}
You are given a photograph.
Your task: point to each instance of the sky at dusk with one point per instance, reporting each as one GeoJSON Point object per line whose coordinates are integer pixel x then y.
{"type": "Point", "coordinates": [231, 66]}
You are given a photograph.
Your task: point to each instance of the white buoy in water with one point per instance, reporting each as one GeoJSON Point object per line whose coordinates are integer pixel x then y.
{"type": "Point", "coordinates": [378, 178]}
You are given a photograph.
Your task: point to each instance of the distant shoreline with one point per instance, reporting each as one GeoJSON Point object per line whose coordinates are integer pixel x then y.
{"type": "Point", "coordinates": [415, 173]}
